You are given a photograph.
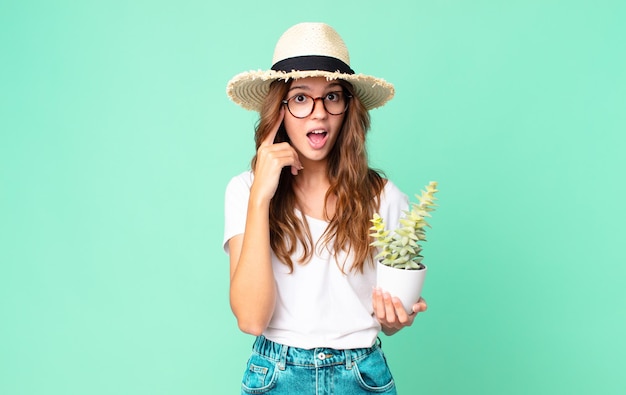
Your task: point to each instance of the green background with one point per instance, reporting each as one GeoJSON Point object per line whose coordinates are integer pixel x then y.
{"type": "Point", "coordinates": [117, 141]}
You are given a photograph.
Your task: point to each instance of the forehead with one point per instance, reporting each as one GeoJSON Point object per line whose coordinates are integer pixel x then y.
{"type": "Point", "coordinates": [314, 84]}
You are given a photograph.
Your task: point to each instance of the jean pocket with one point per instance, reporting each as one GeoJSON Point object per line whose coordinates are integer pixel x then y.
{"type": "Point", "coordinates": [260, 375]}
{"type": "Point", "coordinates": [373, 374]}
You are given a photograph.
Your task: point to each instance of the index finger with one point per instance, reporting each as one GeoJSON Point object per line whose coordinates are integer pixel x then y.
{"type": "Point", "coordinates": [269, 139]}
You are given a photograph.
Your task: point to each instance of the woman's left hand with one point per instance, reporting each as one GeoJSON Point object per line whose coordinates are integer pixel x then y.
{"type": "Point", "coordinates": [390, 312]}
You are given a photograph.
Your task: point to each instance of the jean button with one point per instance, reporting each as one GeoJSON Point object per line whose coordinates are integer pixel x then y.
{"type": "Point", "coordinates": [321, 356]}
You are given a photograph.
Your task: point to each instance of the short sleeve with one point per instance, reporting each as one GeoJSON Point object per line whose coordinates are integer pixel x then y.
{"type": "Point", "coordinates": [236, 206]}
{"type": "Point", "coordinates": [393, 203]}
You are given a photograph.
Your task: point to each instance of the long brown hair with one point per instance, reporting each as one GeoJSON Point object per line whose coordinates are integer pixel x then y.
{"type": "Point", "coordinates": [356, 186]}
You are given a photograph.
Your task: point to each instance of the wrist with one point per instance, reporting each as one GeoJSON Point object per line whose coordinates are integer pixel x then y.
{"type": "Point", "coordinates": [388, 331]}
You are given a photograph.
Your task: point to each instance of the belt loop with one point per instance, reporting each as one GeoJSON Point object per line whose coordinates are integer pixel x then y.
{"type": "Point", "coordinates": [282, 362]}
{"type": "Point", "coordinates": [348, 354]}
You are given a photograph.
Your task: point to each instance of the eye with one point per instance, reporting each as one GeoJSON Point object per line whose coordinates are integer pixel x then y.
{"type": "Point", "coordinates": [333, 96]}
{"type": "Point", "coordinates": [299, 99]}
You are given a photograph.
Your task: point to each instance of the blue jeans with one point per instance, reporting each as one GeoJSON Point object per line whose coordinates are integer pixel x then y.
{"type": "Point", "coordinates": [277, 369]}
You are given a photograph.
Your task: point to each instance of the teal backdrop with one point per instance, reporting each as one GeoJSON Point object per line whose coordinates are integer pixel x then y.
{"type": "Point", "coordinates": [117, 141]}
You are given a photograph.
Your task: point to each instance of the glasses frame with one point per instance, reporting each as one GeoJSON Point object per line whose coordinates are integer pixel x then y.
{"type": "Point", "coordinates": [315, 99]}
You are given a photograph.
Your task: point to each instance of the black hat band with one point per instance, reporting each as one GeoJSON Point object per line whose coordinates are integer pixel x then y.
{"type": "Point", "coordinates": [312, 62]}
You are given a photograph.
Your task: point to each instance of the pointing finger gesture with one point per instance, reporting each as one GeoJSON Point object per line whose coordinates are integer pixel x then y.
{"type": "Point", "coordinates": [271, 158]}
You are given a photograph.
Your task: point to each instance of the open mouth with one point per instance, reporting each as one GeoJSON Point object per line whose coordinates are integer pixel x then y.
{"type": "Point", "coordinates": [317, 138]}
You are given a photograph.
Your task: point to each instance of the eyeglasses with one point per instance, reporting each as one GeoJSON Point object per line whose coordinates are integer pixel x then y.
{"type": "Point", "coordinates": [302, 105]}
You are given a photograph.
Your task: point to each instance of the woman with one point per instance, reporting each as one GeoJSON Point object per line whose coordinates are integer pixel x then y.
{"type": "Point", "coordinates": [296, 229]}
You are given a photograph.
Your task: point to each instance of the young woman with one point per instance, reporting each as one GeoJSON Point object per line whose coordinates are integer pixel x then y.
{"type": "Point", "coordinates": [302, 278]}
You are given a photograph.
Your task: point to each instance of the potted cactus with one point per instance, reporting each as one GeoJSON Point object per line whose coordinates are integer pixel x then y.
{"type": "Point", "coordinates": [400, 270]}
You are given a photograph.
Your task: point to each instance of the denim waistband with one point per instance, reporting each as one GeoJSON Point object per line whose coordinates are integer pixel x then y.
{"type": "Point", "coordinates": [315, 357]}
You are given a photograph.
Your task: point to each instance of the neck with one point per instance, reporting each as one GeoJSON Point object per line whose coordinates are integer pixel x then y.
{"type": "Point", "coordinates": [314, 174]}
{"type": "Point", "coordinates": [310, 187]}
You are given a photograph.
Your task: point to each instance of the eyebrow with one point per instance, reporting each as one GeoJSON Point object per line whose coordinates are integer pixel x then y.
{"type": "Point", "coordinates": [308, 88]}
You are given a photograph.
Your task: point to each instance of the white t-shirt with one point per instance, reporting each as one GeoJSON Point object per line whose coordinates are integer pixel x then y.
{"type": "Point", "coordinates": [317, 305]}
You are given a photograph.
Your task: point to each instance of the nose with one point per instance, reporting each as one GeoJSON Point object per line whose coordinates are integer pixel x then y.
{"type": "Point", "coordinates": [319, 111]}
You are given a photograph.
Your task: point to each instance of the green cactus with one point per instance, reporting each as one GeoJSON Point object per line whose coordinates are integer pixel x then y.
{"type": "Point", "coordinates": [401, 249]}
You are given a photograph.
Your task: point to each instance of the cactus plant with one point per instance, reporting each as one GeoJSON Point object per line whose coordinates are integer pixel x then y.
{"type": "Point", "coordinates": [401, 248]}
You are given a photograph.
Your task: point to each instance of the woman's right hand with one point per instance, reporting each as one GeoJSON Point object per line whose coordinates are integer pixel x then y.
{"type": "Point", "coordinates": [252, 285]}
{"type": "Point", "coordinates": [271, 158]}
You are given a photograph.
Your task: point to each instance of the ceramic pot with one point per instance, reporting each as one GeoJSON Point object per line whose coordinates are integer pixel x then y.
{"type": "Point", "coordinates": [405, 284]}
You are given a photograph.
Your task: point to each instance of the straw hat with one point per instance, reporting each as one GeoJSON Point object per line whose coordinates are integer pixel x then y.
{"type": "Point", "coordinates": [308, 50]}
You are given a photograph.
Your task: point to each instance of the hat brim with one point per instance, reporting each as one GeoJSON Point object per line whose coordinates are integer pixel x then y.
{"type": "Point", "coordinates": [250, 88]}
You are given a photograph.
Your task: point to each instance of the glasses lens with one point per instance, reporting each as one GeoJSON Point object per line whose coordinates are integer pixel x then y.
{"type": "Point", "coordinates": [301, 105]}
{"type": "Point", "coordinates": [335, 103]}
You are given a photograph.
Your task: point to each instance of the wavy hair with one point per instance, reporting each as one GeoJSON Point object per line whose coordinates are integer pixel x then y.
{"type": "Point", "coordinates": [356, 186]}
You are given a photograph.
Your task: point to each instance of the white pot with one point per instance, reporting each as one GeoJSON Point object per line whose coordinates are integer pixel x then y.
{"type": "Point", "coordinates": [405, 284]}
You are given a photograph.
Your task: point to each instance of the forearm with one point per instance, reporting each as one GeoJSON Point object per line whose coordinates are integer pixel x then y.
{"type": "Point", "coordinates": [253, 288]}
